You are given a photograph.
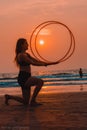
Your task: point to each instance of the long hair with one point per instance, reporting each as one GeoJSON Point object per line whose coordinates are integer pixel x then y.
{"type": "Point", "coordinates": [19, 48]}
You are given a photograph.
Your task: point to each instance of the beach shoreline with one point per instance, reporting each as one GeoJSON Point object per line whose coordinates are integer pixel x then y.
{"type": "Point", "coordinates": [46, 89]}
{"type": "Point", "coordinates": [60, 110]}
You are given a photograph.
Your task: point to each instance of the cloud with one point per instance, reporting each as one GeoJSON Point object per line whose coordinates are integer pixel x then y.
{"type": "Point", "coordinates": [43, 32]}
{"type": "Point", "coordinates": [38, 7]}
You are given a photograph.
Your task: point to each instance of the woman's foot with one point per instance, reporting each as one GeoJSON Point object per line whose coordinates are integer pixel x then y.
{"type": "Point", "coordinates": [6, 99]}
{"type": "Point", "coordinates": [34, 104]}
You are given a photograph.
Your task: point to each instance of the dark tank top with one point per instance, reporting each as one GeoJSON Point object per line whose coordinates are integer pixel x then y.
{"type": "Point", "coordinates": [23, 63]}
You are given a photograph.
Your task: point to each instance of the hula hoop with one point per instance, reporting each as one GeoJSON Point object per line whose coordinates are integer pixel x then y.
{"type": "Point", "coordinates": [67, 55]}
{"type": "Point", "coordinates": [63, 58]}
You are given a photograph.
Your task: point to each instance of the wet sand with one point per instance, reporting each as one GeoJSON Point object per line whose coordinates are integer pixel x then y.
{"type": "Point", "coordinates": [60, 111]}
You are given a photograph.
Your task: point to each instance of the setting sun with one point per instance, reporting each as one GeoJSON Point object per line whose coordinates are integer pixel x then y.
{"type": "Point", "coordinates": [41, 42]}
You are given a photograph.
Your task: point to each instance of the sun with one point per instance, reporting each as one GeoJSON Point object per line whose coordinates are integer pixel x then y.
{"type": "Point", "coordinates": [41, 42]}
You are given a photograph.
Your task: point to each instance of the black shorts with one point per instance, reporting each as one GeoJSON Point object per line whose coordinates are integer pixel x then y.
{"type": "Point", "coordinates": [23, 77]}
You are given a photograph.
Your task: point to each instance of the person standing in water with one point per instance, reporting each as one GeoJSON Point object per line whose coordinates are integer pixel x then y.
{"type": "Point", "coordinates": [80, 73]}
{"type": "Point", "coordinates": [24, 61]}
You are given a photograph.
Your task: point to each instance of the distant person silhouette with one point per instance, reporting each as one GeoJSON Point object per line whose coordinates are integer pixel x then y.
{"type": "Point", "coordinates": [80, 73]}
{"type": "Point", "coordinates": [24, 61]}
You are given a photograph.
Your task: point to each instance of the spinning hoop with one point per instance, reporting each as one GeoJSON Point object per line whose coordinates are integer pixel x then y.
{"type": "Point", "coordinates": [37, 30]}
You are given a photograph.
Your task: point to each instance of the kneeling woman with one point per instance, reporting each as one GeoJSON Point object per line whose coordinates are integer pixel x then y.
{"type": "Point", "coordinates": [24, 61]}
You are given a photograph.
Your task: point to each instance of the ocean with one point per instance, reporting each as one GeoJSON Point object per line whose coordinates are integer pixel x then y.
{"type": "Point", "coordinates": [51, 78]}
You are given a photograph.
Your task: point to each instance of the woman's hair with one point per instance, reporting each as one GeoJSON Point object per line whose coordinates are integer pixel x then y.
{"type": "Point", "coordinates": [19, 48]}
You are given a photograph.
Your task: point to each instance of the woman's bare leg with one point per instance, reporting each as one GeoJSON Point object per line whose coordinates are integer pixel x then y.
{"type": "Point", "coordinates": [24, 100]}
{"type": "Point", "coordinates": [36, 90]}
{"type": "Point", "coordinates": [33, 81]}
{"type": "Point", "coordinates": [26, 93]}
{"type": "Point", "coordinates": [16, 98]}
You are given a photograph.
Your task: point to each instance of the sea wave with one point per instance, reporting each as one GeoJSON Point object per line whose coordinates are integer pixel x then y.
{"type": "Point", "coordinates": [64, 77]}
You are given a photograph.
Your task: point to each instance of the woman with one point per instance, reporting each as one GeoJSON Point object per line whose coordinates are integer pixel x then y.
{"type": "Point", "coordinates": [25, 80]}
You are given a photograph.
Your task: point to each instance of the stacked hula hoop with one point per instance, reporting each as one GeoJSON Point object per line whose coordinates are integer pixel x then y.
{"type": "Point", "coordinates": [35, 34]}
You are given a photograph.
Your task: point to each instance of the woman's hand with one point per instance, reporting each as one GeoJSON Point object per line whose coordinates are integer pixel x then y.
{"type": "Point", "coordinates": [57, 62]}
{"type": "Point", "coordinates": [51, 63]}
{"type": "Point", "coordinates": [45, 64]}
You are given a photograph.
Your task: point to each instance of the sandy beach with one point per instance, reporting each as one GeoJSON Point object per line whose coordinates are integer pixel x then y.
{"type": "Point", "coordinates": [61, 110]}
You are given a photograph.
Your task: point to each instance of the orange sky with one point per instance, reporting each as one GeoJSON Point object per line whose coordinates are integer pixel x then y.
{"type": "Point", "coordinates": [18, 18]}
